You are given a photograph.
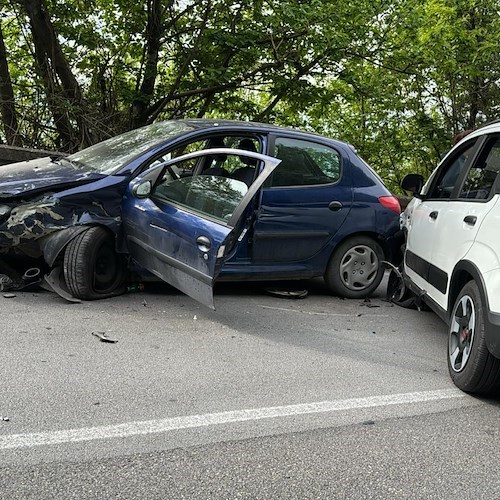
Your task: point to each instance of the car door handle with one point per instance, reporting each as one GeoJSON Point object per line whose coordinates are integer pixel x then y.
{"type": "Point", "coordinates": [335, 206]}
{"type": "Point", "coordinates": [470, 220]}
{"type": "Point", "coordinates": [203, 243]}
{"type": "Point", "coordinates": [434, 215]}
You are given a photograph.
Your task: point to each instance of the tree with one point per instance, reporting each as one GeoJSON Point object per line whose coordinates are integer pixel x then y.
{"type": "Point", "coordinates": [64, 96]}
{"type": "Point", "coordinates": [7, 100]}
{"type": "Point", "coordinates": [397, 79]}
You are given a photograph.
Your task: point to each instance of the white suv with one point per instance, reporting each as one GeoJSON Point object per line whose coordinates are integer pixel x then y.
{"type": "Point", "coordinates": [452, 257]}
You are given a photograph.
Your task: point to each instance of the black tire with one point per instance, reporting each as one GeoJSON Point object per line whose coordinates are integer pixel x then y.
{"type": "Point", "coordinates": [472, 367]}
{"type": "Point", "coordinates": [355, 269]}
{"type": "Point", "coordinates": [92, 268]}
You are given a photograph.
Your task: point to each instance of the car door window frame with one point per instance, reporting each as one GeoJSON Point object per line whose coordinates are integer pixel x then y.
{"type": "Point", "coordinates": [156, 173]}
{"type": "Point", "coordinates": [475, 145]}
{"type": "Point", "coordinates": [204, 137]}
{"type": "Point", "coordinates": [487, 144]}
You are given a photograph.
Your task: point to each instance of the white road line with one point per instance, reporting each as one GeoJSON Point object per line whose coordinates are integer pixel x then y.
{"type": "Point", "coordinates": [15, 441]}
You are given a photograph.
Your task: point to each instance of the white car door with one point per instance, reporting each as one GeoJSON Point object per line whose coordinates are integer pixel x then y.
{"type": "Point", "coordinates": [448, 227]}
{"type": "Point", "coordinates": [458, 224]}
{"type": "Point", "coordinates": [428, 219]}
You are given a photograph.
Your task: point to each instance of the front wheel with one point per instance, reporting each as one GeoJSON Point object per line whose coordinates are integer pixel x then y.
{"type": "Point", "coordinates": [355, 269]}
{"type": "Point", "coordinates": [92, 268]}
{"type": "Point", "coordinates": [472, 367]}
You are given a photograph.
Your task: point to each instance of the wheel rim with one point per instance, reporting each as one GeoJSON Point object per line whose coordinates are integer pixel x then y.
{"type": "Point", "coordinates": [462, 329]}
{"type": "Point", "coordinates": [359, 267]}
{"type": "Point", "coordinates": [106, 270]}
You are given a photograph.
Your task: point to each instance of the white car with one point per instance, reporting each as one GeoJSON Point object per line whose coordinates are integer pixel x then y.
{"type": "Point", "coordinates": [452, 256]}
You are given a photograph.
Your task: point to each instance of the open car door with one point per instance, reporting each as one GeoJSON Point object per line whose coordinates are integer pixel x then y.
{"type": "Point", "coordinates": [180, 221]}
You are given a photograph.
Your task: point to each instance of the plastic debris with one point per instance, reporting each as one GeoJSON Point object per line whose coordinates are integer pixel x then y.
{"type": "Point", "coordinates": [6, 283]}
{"type": "Point", "coordinates": [31, 276]}
{"type": "Point", "coordinates": [287, 294]}
{"type": "Point", "coordinates": [29, 281]}
{"type": "Point", "coordinates": [9, 295]}
{"type": "Point", "coordinates": [5, 419]}
{"type": "Point", "coordinates": [368, 303]}
{"type": "Point", "coordinates": [103, 337]}
{"type": "Point", "coordinates": [56, 283]}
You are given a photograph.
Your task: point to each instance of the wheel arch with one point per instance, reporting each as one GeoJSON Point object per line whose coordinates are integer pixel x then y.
{"type": "Point", "coordinates": [53, 245]}
{"type": "Point", "coordinates": [370, 234]}
{"type": "Point", "coordinates": [464, 272]}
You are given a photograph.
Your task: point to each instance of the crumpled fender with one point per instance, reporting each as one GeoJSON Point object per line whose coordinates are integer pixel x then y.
{"type": "Point", "coordinates": [53, 244]}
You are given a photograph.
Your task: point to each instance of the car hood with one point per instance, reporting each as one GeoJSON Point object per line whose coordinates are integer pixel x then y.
{"type": "Point", "coordinates": [42, 174]}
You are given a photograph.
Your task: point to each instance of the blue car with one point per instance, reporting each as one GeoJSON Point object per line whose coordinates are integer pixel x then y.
{"type": "Point", "coordinates": [195, 201]}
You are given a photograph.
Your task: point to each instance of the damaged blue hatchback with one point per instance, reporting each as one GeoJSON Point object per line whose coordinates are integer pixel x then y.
{"type": "Point", "coordinates": [194, 201]}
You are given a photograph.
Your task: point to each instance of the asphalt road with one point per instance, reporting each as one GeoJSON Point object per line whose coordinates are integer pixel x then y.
{"type": "Point", "coordinates": [263, 398]}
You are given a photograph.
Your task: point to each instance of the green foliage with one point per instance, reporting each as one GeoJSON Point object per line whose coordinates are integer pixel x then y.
{"type": "Point", "coordinates": [397, 79]}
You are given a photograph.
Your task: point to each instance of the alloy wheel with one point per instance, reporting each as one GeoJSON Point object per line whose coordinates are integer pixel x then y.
{"type": "Point", "coordinates": [462, 329]}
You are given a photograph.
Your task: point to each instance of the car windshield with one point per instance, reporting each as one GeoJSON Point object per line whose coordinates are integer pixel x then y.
{"type": "Point", "coordinates": [108, 156]}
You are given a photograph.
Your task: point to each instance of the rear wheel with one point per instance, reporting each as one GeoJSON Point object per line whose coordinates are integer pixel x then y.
{"type": "Point", "coordinates": [472, 367]}
{"type": "Point", "coordinates": [355, 268]}
{"type": "Point", "coordinates": [92, 268]}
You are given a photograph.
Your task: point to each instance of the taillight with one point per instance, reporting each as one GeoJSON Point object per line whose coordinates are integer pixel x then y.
{"type": "Point", "coordinates": [390, 202]}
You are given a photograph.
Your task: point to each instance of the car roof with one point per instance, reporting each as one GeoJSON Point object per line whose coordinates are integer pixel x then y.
{"type": "Point", "coordinates": [493, 126]}
{"type": "Point", "coordinates": [226, 125]}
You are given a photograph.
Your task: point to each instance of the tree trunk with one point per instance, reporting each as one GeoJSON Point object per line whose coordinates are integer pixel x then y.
{"type": "Point", "coordinates": [7, 102]}
{"type": "Point", "coordinates": [63, 91]}
{"type": "Point", "coordinates": [154, 32]}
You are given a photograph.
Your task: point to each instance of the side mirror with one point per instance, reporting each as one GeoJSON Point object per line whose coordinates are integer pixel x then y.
{"type": "Point", "coordinates": [412, 183]}
{"type": "Point", "coordinates": [142, 190]}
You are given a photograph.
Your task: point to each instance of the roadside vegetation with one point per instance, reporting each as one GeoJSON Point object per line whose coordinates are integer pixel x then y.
{"type": "Point", "coordinates": [397, 79]}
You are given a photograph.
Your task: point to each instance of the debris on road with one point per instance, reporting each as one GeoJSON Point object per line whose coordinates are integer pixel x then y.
{"type": "Point", "coordinates": [9, 295]}
{"type": "Point", "coordinates": [135, 287]}
{"type": "Point", "coordinates": [29, 281]}
{"type": "Point", "coordinates": [368, 303]}
{"type": "Point", "coordinates": [287, 294]}
{"type": "Point", "coordinates": [6, 283]}
{"type": "Point", "coordinates": [102, 336]}
{"type": "Point", "coordinates": [5, 419]}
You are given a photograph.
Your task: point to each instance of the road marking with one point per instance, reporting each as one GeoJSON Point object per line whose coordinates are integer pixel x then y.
{"type": "Point", "coordinates": [128, 429]}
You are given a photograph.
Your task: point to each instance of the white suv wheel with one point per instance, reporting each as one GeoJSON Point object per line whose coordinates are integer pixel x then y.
{"type": "Point", "coordinates": [461, 336]}
{"type": "Point", "coordinates": [472, 367]}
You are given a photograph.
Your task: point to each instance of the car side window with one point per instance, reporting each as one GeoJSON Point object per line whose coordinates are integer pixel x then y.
{"type": "Point", "coordinates": [237, 167]}
{"type": "Point", "coordinates": [482, 175]}
{"type": "Point", "coordinates": [211, 195]}
{"type": "Point", "coordinates": [304, 163]}
{"type": "Point", "coordinates": [451, 173]}
{"type": "Point", "coordinates": [187, 167]}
